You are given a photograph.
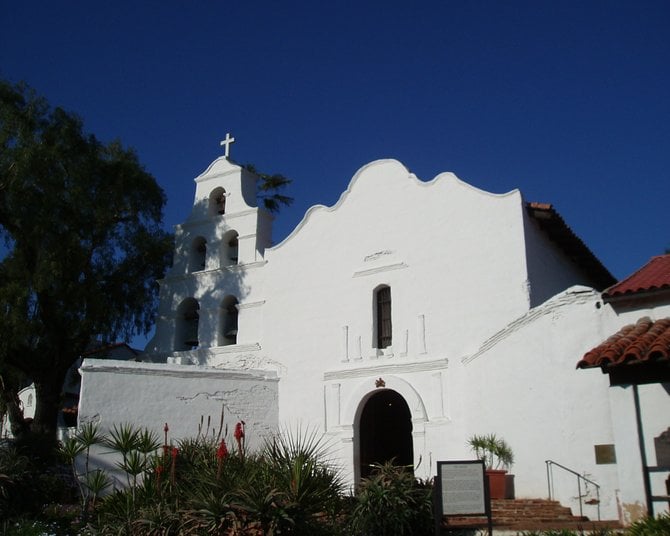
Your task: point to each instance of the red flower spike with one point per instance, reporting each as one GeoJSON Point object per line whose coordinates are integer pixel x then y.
{"type": "Point", "coordinates": [166, 428]}
{"type": "Point", "coordinates": [239, 437]}
{"type": "Point", "coordinates": [175, 452]}
{"type": "Point", "coordinates": [222, 451]}
{"type": "Point", "coordinates": [239, 431]}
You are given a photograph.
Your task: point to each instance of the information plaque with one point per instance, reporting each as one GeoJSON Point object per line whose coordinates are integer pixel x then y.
{"type": "Point", "coordinates": [461, 490]}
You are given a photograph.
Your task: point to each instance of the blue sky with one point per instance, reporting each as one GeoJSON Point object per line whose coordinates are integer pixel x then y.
{"type": "Point", "coordinates": [569, 101]}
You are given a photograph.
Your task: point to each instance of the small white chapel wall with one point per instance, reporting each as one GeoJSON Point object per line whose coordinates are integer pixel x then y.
{"type": "Point", "coordinates": [149, 395]}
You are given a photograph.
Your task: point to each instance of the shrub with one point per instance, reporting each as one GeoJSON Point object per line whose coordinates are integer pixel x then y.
{"type": "Point", "coordinates": [392, 503]}
{"type": "Point", "coordinates": [494, 451]}
{"type": "Point", "coordinates": [651, 526]}
{"type": "Point", "coordinates": [199, 487]}
{"type": "Point", "coordinates": [27, 484]}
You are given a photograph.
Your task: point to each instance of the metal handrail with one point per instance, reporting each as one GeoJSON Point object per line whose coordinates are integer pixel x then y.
{"type": "Point", "coordinates": [550, 484]}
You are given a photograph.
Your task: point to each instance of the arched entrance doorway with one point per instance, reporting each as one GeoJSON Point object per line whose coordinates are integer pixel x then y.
{"type": "Point", "coordinates": [385, 431]}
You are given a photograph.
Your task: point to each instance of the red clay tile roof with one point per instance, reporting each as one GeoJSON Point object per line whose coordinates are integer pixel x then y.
{"type": "Point", "coordinates": [653, 276]}
{"type": "Point", "coordinates": [557, 230]}
{"type": "Point", "coordinates": [644, 342]}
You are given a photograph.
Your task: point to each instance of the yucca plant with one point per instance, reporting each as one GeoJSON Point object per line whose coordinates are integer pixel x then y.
{"type": "Point", "coordinates": [494, 451]}
{"type": "Point", "coordinates": [209, 512]}
{"type": "Point", "coordinates": [158, 519]}
{"type": "Point", "coordinates": [310, 487]}
{"type": "Point", "coordinates": [147, 442]}
{"type": "Point", "coordinates": [89, 486]}
{"type": "Point", "coordinates": [96, 482]}
{"type": "Point", "coordinates": [123, 438]}
{"type": "Point", "coordinates": [392, 502]}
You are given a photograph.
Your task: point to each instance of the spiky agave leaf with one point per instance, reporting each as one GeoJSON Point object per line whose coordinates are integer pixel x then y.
{"type": "Point", "coordinates": [70, 449]}
{"type": "Point", "coordinates": [96, 482]}
{"type": "Point", "coordinates": [123, 438]}
{"type": "Point", "coordinates": [89, 434]}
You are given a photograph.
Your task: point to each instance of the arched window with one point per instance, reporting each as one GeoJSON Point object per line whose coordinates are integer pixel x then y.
{"type": "Point", "coordinates": [188, 318]}
{"type": "Point", "coordinates": [198, 256]}
{"type": "Point", "coordinates": [382, 313]}
{"type": "Point", "coordinates": [228, 321]}
{"type": "Point", "coordinates": [217, 202]}
{"type": "Point", "coordinates": [230, 249]}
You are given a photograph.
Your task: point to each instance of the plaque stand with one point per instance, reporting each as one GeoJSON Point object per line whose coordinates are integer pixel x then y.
{"type": "Point", "coordinates": [461, 491]}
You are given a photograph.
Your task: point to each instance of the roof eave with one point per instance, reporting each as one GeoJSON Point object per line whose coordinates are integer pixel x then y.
{"type": "Point", "coordinates": [558, 231]}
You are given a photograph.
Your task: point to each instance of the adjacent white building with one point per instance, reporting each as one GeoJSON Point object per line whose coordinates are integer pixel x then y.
{"type": "Point", "coordinates": [399, 322]}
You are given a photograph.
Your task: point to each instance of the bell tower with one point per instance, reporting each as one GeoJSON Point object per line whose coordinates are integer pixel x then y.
{"type": "Point", "coordinates": [222, 239]}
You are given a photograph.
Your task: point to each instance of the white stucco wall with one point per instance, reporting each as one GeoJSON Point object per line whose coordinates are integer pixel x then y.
{"type": "Point", "coordinates": [549, 270]}
{"type": "Point", "coordinates": [530, 393]}
{"type": "Point", "coordinates": [469, 355]}
{"type": "Point", "coordinates": [27, 405]}
{"type": "Point", "coordinates": [148, 395]}
{"type": "Point", "coordinates": [455, 259]}
{"type": "Point", "coordinates": [654, 402]}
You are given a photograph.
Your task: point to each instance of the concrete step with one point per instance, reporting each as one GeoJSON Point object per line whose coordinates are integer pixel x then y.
{"type": "Point", "coordinates": [530, 514]}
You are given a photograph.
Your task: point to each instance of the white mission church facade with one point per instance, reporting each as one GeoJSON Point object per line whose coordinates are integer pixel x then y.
{"type": "Point", "coordinates": [398, 322]}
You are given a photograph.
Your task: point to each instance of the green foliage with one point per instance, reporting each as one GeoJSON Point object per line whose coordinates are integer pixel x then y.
{"type": "Point", "coordinates": [88, 435]}
{"type": "Point", "coordinates": [13, 467]}
{"type": "Point", "coordinates": [123, 438]}
{"type": "Point", "coordinates": [268, 189]}
{"type": "Point", "coordinates": [96, 482]}
{"type": "Point", "coordinates": [559, 532]}
{"type": "Point", "coordinates": [39, 527]}
{"type": "Point", "coordinates": [298, 479]}
{"type": "Point", "coordinates": [651, 526]}
{"type": "Point", "coordinates": [285, 488]}
{"type": "Point", "coordinates": [492, 450]}
{"type": "Point", "coordinates": [147, 442]}
{"type": "Point", "coordinates": [26, 484]}
{"type": "Point", "coordinates": [81, 224]}
{"type": "Point", "coordinates": [91, 484]}
{"type": "Point", "coordinates": [392, 503]}
{"type": "Point", "coordinates": [568, 532]}
{"type": "Point", "coordinates": [70, 449]}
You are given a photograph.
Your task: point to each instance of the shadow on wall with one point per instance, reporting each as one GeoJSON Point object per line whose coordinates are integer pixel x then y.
{"type": "Point", "coordinates": [207, 282]}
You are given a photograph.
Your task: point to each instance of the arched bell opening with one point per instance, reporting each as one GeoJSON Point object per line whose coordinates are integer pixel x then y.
{"type": "Point", "coordinates": [217, 202]}
{"type": "Point", "coordinates": [230, 249]}
{"type": "Point", "coordinates": [198, 255]}
{"type": "Point", "coordinates": [188, 319]}
{"type": "Point", "coordinates": [228, 314]}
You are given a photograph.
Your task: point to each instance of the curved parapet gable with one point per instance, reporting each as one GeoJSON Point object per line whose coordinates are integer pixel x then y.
{"type": "Point", "coordinates": [387, 169]}
{"type": "Point", "coordinates": [220, 166]}
{"type": "Point", "coordinates": [237, 183]}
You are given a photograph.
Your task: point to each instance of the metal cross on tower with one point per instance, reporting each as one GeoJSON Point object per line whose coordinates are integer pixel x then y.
{"type": "Point", "coordinates": [226, 144]}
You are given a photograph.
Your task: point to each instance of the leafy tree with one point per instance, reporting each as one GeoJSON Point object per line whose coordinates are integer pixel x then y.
{"type": "Point", "coordinates": [268, 189]}
{"type": "Point", "coordinates": [83, 247]}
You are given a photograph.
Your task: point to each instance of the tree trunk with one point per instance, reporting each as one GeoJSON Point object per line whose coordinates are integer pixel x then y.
{"type": "Point", "coordinates": [39, 435]}
{"type": "Point", "coordinates": [17, 424]}
{"type": "Point", "coordinates": [47, 405]}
